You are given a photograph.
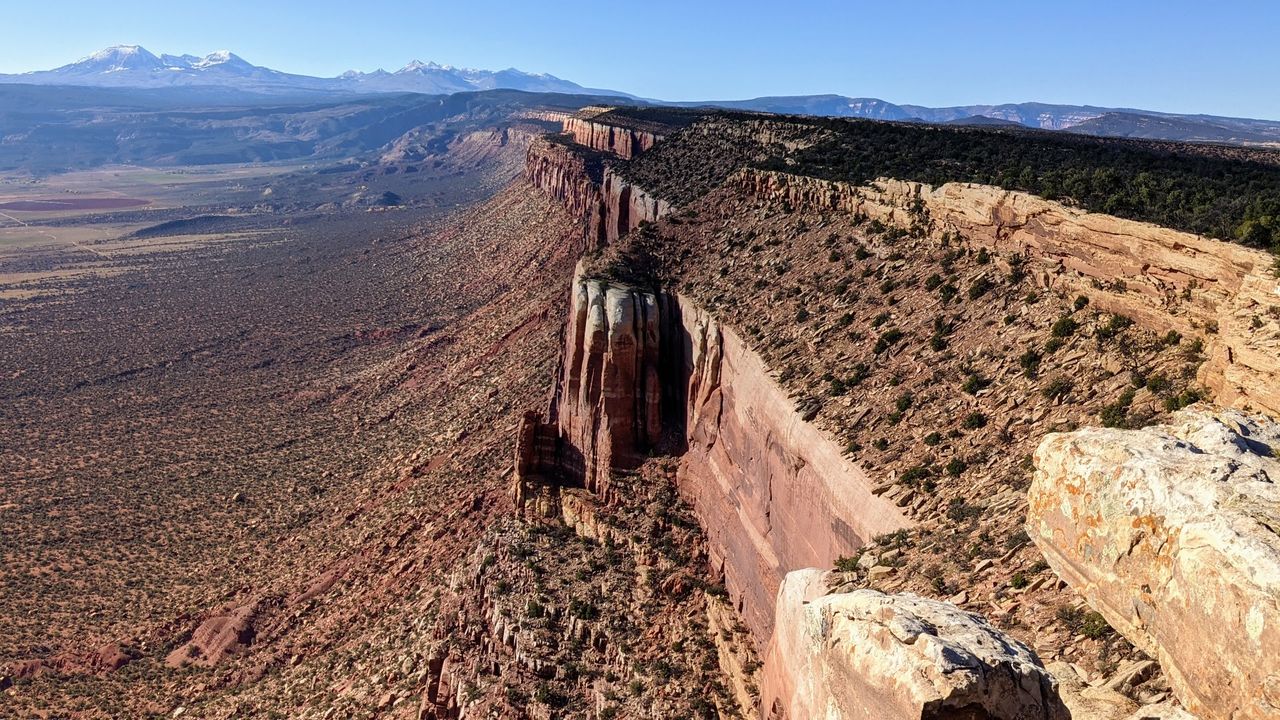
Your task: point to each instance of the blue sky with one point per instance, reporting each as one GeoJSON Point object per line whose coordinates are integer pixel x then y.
{"type": "Point", "coordinates": [1213, 57]}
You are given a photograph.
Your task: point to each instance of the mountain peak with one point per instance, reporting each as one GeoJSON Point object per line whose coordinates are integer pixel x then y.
{"type": "Point", "coordinates": [219, 57]}
{"type": "Point", "coordinates": [135, 66]}
{"type": "Point", "coordinates": [117, 58]}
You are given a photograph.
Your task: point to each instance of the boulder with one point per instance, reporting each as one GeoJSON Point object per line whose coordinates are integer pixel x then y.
{"type": "Point", "coordinates": [870, 656]}
{"type": "Point", "coordinates": [1171, 533]}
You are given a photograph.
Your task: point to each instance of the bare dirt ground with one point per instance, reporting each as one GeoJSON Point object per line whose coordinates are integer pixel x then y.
{"type": "Point", "coordinates": [187, 421]}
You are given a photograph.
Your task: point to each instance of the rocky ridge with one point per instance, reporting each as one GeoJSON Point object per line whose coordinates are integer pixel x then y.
{"type": "Point", "coordinates": [612, 381]}
{"type": "Point", "coordinates": [864, 654]}
{"type": "Point", "coordinates": [1165, 279]}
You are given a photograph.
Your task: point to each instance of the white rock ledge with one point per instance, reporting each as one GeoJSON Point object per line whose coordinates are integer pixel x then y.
{"type": "Point", "coordinates": [868, 655]}
{"type": "Point", "coordinates": [1171, 533]}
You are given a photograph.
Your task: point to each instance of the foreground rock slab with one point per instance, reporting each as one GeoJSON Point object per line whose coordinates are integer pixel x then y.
{"type": "Point", "coordinates": [868, 655]}
{"type": "Point", "coordinates": [1171, 533]}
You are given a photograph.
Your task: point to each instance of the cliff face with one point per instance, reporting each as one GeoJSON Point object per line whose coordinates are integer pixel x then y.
{"type": "Point", "coordinates": [772, 491]}
{"type": "Point", "coordinates": [1162, 278]}
{"type": "Point", "coordinates": [643, 371]}
{"type": "Point", "coordinates": [569, 177]}
{"type": "Point", "coordinates": [623, 142]}
{"type": "Point", "coordinates": [1170, 533]}
{"type": "Point", "coordinates": [609, 206]}
{"type": "Point", "coordinates": [626, 206]}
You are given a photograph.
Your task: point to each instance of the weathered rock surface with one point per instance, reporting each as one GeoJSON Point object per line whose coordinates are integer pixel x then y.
{"type": "Point", "coordinates": [607, 204]}
{"type": "Point", "coordinates": [220, 636]}
{"type": "Point", "coordinates": [625, 142]}
{"type": "Point", "coordinates": [772, 491]}
{"type": "Point", "coordinates": [572, 178]}
{"type": "Point", "coordinates": [1162, 278]}
{"type": "Point", "coordinates": [608, 405]}
{"type": "Point", "coordinates": [1171, 533]}
{"type": "Point", "coordinates": [869, 655]}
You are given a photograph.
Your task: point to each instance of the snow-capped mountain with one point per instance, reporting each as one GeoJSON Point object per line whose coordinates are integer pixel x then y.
{"type": "Point", "coordinates": [134, 66]}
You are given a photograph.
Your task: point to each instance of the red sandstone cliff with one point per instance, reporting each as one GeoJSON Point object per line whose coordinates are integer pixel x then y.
{"type": "Point", "coordinates": [607, 413]}
{"type": "Point", "coordinates": [609, 205]}
{"type": "Point", "coordinates": [773, 492]}
{"type": "Point", "coordinates": [623, 142]}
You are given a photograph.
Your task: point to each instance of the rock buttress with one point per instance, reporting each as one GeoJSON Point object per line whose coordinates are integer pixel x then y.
{"type": "Point", "coordinates": [1171, 533]}
{"type": "Point", "coordinates": [616, 398]}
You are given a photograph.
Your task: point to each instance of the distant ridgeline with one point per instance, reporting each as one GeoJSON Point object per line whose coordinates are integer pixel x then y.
{"type": "Point", "coordinates": [1228, 193]}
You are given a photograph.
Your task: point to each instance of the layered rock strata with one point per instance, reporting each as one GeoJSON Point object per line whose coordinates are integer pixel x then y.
{"type": "Point", "coordinates": [773, 492]}
{"type": "Point", "coordinates": [643, 371]}
{"type": "Point", "coordinates": [608, 205]}
{"type": "Point", "coordinates": [618, 379]}
{"type": "Point", "coordinates": [1171, 532]}
{"type": "Point", "coordinates": [866, 655]}
{"type": "Point", "coordinates": [1166, 280]}
{"type": "Point", "coordinates": [623, 142]}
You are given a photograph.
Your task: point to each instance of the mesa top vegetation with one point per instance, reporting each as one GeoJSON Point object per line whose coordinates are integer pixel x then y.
{"type": "Point", "coordinates": [1228, 193]}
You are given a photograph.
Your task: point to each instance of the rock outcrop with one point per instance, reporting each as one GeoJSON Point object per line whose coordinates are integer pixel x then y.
{"type": "Point", "coordinates": [1171, 532]}
{"type": "Point", "coordinates": [571, 177]}
{"type": "Point", "coordinates": [607, 204]}
{"type": "Point", "coordinates": [224, 634]}
{"type": "Point", "coordinates": [627, 206]}
{"type": "Point", "coordinates": [624, 142]}
{"type": "Point", "coordinates": [607, 413]}
{"type": "Point", "coordinates": [772, 491]}
{"type": "Point", "coordinates": [1226, 294]}
{"type": "Point", "coordinates": [870, 656]}
{"type": "Point", "coordinates": [643, 371]}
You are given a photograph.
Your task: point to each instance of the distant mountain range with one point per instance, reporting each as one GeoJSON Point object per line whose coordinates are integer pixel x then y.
{"type": "Point", "coordinates": [133, 66]}
{"type": "Point", "coordinates": [1084, 119]}
{"type": "Point", "coordinates": [216, 74]}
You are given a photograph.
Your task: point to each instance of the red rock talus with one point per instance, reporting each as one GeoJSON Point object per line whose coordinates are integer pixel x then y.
{"type": "Point", "coordinates": [1163, 279]}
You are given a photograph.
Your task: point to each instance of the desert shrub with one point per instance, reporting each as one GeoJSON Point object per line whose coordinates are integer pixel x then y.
{"type": "Point", "coordinates": [980, 287]}
{"type": "Point", "coordinates": [888, 339]}
{"type": "Point", "coordinates": [1057, 388]}
{"type": "Point", "coordinates": [1064, 327]}
{"type": "Point", "coordinates": [1116, 414]}
{"type": "Point", "coordinates": [975, 420]}
{"type": "Point", "coordinates": [975, 383]}
{"type": "Point", "coordinates": [1029, 361]}
{"type": "Point", "coordinates": [1115, 325]}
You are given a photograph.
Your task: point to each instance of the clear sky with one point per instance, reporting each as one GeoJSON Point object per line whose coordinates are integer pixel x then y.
{"type": "Point", "coordinates": [1212, 56]}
